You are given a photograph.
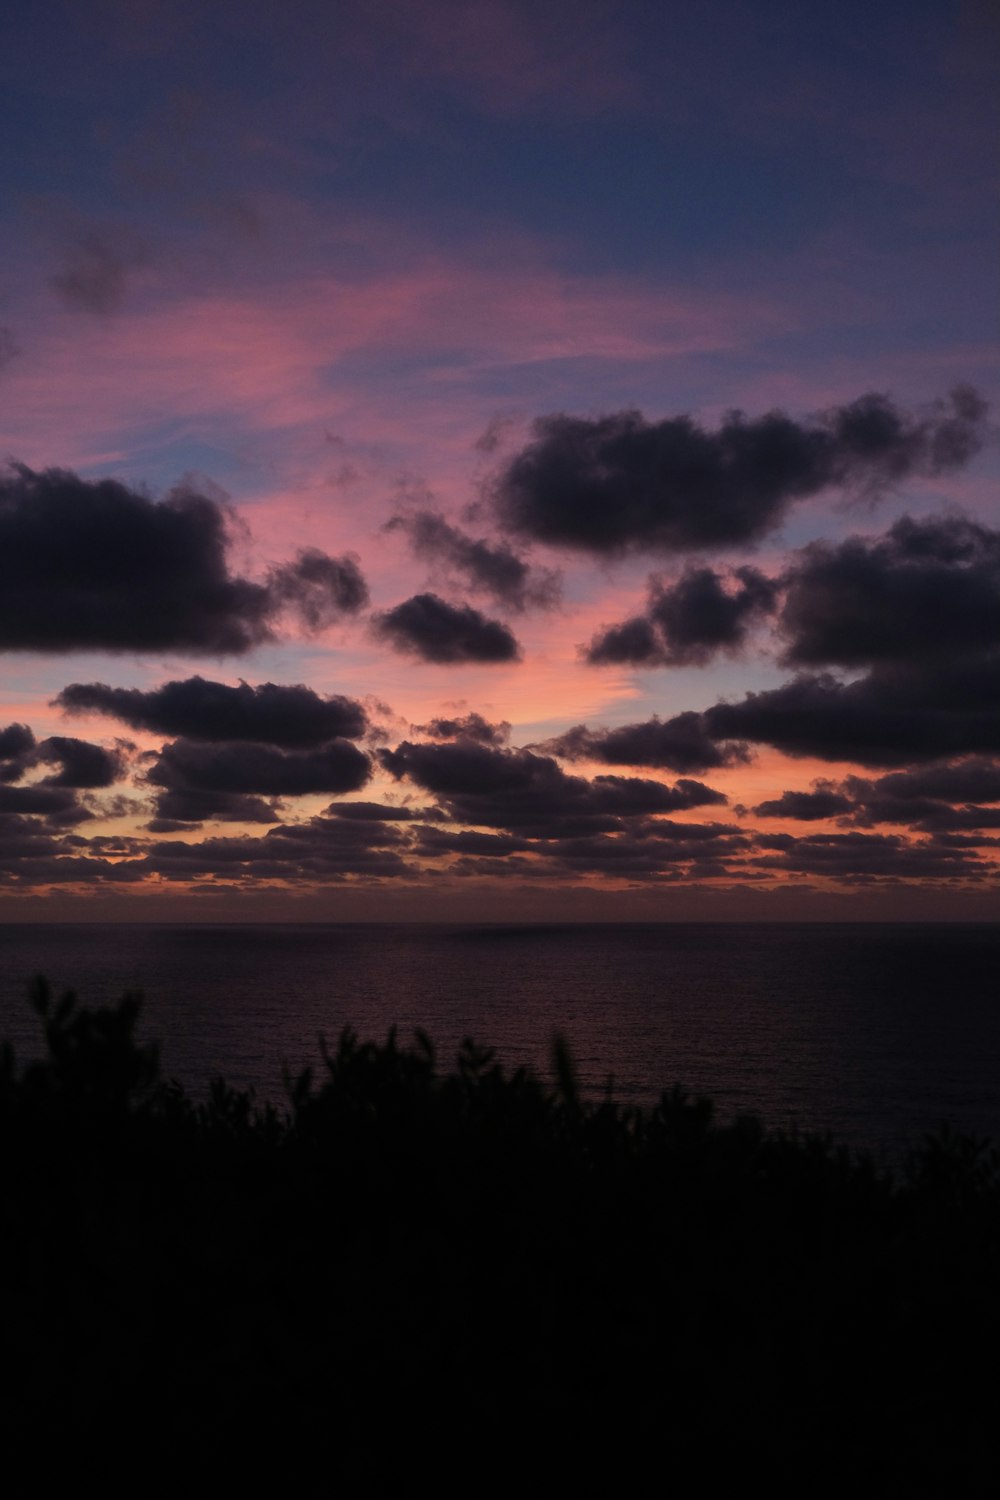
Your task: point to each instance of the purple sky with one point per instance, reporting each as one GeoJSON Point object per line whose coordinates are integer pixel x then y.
{"type": "Point", "coordinates": [491, 459]}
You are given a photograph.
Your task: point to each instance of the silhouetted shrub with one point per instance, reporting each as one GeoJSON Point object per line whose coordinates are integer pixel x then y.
{"type": "Point", "coordinates": [472, 1264]}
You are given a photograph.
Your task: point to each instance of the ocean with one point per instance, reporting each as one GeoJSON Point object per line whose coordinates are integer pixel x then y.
{"type": "Point", "coordinates": [874, 1032]}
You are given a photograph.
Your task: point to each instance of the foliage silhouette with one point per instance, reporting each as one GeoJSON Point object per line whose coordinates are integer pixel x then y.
{"type": "Point", "coordinates": [406, 1261]}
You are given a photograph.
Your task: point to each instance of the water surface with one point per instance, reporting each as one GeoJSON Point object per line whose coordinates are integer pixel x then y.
{"type": "Point", "coordinates": [876, 1032]}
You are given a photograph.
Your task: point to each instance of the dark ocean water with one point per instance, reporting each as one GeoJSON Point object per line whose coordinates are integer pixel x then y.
{"type": "Point", "coordinates": [875, 1032]}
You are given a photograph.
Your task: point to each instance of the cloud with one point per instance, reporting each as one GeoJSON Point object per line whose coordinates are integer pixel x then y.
{"type": "Point", "coordinates": [488, 568]}
{"type": "Point", "coordinates": [433, 842]}
{"type": "Point", "coordinates": [969, 781]}
{"type": "Point", "coordinates": [519, 790]}
{"type": "Point", "coordinates": [807, 807]}
{"type": "Point", "coordinates": [428, 627]}
{"type": "Point", "coordinates": [23, 837]}
{"type": "Point", "coordinates": [96, 565]}
{"type": "Point", "coordinates": [58, 805]}
{"type": "Point", "coordinates": [919, 607]}
{"type": "Point", "coordinates": [292, 717]}
{"type": "Point", "coordinates": [930, 799]}
{"type": "Point", "coordinates": [317, 851]}
{"type": "Point", "coordinates": [618, 483]}
{"type": "Point", "coordinates": [319, 589]}
{"type": "Point", "coordinates": [655, 849]}
{"type": "Point", "coordinates": [889, 718]}
{"type": "Point", "coordinates": [681, 744]}
{"type": "Point", "coordinates": [82, 764]}
{"type": "Point", "coordinates": [259, 769]}
{"type": "Point", "coordinates": [852, 856]}
{"type": "Point", "coordinates": [471, 727]}
{"type": "Point", "coordinates": [229, 781]}
{"type": "Point", "coordinates": [688, 622]}
{"type": "Point", "coordinates": [374, 812]}
{"type": "Point", "coordinates": [927, 590]}
{"type": "Point", "coordinates": [16, 745]}
{"type": "Point", "coordinates": [185, 807]}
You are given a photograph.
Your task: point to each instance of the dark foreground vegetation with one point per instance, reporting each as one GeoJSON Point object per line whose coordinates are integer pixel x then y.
{"type": "Point", "coordinates": [468, 1279]}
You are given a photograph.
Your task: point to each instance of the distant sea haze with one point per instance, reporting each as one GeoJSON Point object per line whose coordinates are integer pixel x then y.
{"type": "Point", "coordinates": [877, 1033]}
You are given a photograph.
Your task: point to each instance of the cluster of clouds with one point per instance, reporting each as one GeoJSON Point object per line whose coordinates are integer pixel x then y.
{"type": "Point", "coordinates": [915, 611]}
{"type": "Point", "coordinates": [892, 641]}
{"type": "Point", "coordinates": [99, 565]}
{"type": "Point", "coordinates": [474, 805]}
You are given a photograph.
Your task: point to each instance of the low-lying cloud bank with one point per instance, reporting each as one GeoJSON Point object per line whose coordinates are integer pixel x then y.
{"type": "Point", "coordinates": [468, 806]}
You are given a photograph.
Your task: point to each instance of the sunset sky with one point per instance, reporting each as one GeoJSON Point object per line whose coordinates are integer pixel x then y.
{"type": "Point", "coordinates": [496, 460]}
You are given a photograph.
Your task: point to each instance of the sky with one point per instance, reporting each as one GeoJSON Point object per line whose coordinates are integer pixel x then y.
{"type": "Point", "coordinates": [499, 461]}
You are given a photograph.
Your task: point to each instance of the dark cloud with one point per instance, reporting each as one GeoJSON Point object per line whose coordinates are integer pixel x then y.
{"type": "Point", "coordinates": [264, 770]}
{"type": "Point", "coordinates": [56, 805]}
{"type": "Point", "coordinates": [23, 837]}
{"type": "Point", "coordinates": [433, 842]}
{"type": "Point", "coordinates": [65, 868]}
{"type": "Point", "coordinates": [512, 867]}
{"type": "Point", "coordinates": [15, 740]}
{"type": "Point", "coordinates": [679, 744]}
{"type": "Point", "coordinates": [16, 746]}
{"type": "Point", "coordinates": [470, 727]}
{"type": "Point", "coordinates": [891, 717]}
{"type": "Point", "coordinates": [970, 781]}
{"type": "Point", "coordinates": [851, 856]}
{"type": "Point", "coordinates": [924, 595]}
{"type": "Point", "coordinates": [919, 607]}
{"type": "Point", "coordinates": [688, 622]}
{"type": "Point", "coordinates": [97, 565]}
{"type": "Point", "coordinates": [83, 764]}
{"type": "Point", "coordinates": [926, 590]}
{"type": "Point", "coordinates": [186, 807]}
{"type": "Point", "coordinates": [314, 852]}
{"type": "Point", "coordinates": [808, 807]}
{"type": "Point", "coordinates": [617, 483]}
{"type": "Point", "coordinates": [487, 567]}
{"type": "Point", "coordinates": [966, 841]}
{"type": "Point", "coordinates": [319, 589]}
{"type": "Point", "coordinates": [229, 782]}
{"type": "Point", "coordinates": [319, 851]}
{"type": "Point", "coordinates": [613, 855]}
{"type": "Point", "coordinates": [517, 789]}
{"type": "Point", "coordinates": [930, 799]}
{"type": "Point", "coordinates": [373, 812]}
{"type": "Point", "coordinates": [428, 627]}
{"type": "Point", "coordinates": [612, 825]}
{"type": "Point", "coordinates": [635, 642]}
{"type": "Point", "coordinates": [650, 851]}
{"type": "Point", "coordinates": [293, 717]}
{"type": "Point", "coordinates": [927, 817]}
